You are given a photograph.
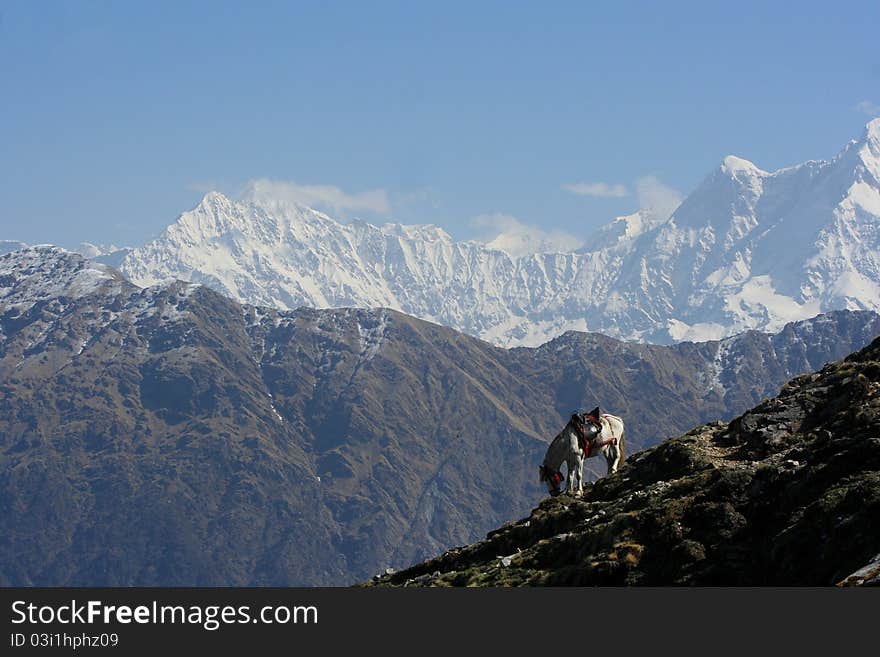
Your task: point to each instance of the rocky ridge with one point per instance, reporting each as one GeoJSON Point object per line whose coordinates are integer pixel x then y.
{"type": "Point", "coordinates": [786, 494]}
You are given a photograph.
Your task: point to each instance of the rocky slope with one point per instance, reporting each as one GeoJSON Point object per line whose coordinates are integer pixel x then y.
{"type": "Point", "coordinates": [748, 249]}
{"type": "Point", "coordinates": [171, 436]}
{"type": "Point", "coordinates": [786, 494]}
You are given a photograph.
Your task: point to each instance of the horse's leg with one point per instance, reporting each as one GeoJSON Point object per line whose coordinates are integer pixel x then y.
{"type": "Point", "coordinates": [613, 458]}
{"type": "Point", "coordinates": [579, 472]}
{"type": "Point", "coordinates": [569, 478]}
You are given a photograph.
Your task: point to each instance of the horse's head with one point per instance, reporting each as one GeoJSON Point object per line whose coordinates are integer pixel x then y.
{"type": "Point", "coordinates": [553, 479]}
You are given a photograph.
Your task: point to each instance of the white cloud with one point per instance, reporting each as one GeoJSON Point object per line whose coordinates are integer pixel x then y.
{"type": "Point", "coordinates": [654, 195]}
{"type": "Point", "coordinates": [328, 197]}
{"type": "Point", "coordinates": [599, 189]}
{"type": "Point", "coordinates": [869, 108]}
{"type": "Point", "coordinates": [509, 234]}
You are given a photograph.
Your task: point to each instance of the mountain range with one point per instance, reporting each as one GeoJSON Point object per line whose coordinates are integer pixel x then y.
{"type": "Point", "coordinates": [748, 249]}
{"type": "Point", "coordinates": [169, 435]}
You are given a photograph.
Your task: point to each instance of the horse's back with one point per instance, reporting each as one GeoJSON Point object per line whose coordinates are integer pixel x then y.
{"type": "Point", "coordinates": [615, 424]}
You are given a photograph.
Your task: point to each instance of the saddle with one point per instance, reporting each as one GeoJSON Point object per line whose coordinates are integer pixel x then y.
{"type": "Point", "coordinates": [593, 422]}
{"type": "Point", "coordinates": [594, 417]}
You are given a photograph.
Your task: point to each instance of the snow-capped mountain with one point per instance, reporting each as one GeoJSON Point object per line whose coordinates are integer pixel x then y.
{"type": "Point", "coordinates": [752, 249]}
{"type": "Point", "coordinates": [107, 254]}
{"type": "Point", "coordinates": [748, 249]}
{"type": "Point", "coordinates": [30, 275]}
{"type": "Point", "coordinates": [287, 256]}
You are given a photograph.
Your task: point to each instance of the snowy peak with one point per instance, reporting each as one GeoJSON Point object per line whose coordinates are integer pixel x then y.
{"type": "Point", "coordinates": [737, 166]}
{"type": "Point", "coordinates": [214, 215]}
{"type": "Point", "coordinates": [622, 231]}
{"type": "Point", "coordinates": [43, 272]}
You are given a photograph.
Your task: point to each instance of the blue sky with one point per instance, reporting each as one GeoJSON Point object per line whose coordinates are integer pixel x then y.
{"type": "Point", "coordinates": [116, 117]}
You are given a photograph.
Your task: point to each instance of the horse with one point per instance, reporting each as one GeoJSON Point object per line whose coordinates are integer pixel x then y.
{"type": "Point", "coordinates": [582, 438]}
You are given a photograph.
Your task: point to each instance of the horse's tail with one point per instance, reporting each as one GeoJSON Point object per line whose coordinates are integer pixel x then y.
{"type": "Point", "coordinates": [621, 447]}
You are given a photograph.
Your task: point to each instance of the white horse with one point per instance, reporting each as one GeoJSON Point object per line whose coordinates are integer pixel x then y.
{"type": "Point", "coordinates": [585, 436]}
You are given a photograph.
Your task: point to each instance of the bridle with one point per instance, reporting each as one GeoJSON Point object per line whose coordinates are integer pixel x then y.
{"type": "Point", "coordinates": [554, 477]}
